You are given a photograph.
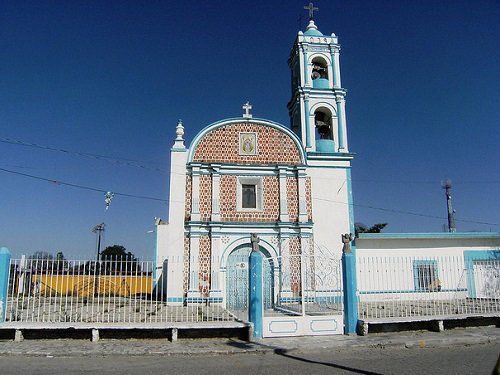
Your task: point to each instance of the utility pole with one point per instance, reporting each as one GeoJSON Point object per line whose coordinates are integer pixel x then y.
{"type": "Point", "coordinates": [99, 228]}
{"type": "Point", "coordinates": [451, 211]}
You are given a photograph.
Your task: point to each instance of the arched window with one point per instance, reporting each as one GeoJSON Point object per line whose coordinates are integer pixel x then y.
{"type": "Point", "coordinates": [323, 123]}
{"type": "Point", "coordinates": [319, 68]}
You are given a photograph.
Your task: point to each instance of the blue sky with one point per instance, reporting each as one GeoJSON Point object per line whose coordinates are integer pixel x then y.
{"type": "Point", "coordinates": [85, 78]}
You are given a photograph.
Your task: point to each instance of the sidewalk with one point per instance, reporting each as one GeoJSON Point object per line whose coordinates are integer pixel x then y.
{"type": "Point", "coordinates": [223, 346]}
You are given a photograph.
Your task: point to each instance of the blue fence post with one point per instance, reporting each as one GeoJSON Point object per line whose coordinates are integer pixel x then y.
{"type": "Point", "coordinates": [350, 292]}
{"type": "Point", "coordinates": [4, 281]}
{"type": "Point", "coordinates": [255, 306]}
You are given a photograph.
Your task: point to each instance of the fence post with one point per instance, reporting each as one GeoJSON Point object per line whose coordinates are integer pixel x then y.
{"type": "Point", "coordinates": [4, 281]}
{"type": "Point", "coordinates": [256, 302]}
{"type": "Point", "coordinates": [350, 289]}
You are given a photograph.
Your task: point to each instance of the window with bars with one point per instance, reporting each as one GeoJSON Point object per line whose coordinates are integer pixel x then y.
{"type": "Point", "coordinates": [425, 274]}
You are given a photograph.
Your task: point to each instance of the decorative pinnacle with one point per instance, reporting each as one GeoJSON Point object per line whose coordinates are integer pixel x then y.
{"type": "Point", "coordinates": [179, 132]}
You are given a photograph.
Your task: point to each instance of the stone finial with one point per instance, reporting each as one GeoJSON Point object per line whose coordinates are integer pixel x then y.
{"type": "Point", "coordinates": [179, 133]}
{"type": "Point", "coordinates": [254, 239]}
{"type": "Point", "coordinates": [346, 240]}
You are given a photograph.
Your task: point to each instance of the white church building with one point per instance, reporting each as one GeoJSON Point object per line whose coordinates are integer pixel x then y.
{"type": "Point", "coordinates": [291, 186]}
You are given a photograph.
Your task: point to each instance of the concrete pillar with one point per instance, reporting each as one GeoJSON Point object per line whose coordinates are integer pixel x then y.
{"type": "Point", "coordinates": [4, 281]}
{"type": "Point", "coordinates": [350, 295]}
{"type": "Point", "coordinates": [256, 303]}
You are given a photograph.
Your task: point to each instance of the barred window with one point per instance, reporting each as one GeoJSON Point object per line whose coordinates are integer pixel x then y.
{"type": "Point", "coordinates": [425, 275]}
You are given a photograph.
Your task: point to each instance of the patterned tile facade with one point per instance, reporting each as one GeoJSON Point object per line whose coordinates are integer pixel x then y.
{"type": "Point", "coordinates": [205, 198]}
{"type": "Point", "coordinates": [222, 146]}
{"type": "Point", "coordinates": [309, 199]}
{"type": "Point", "coordinates": [292, 198]}
{"type": "Point", "coordinates": [204, 270]}
{"type": "Point", "coordinates": [186, 265]}
{"type": "Point", "coordinates": [189, 189]}
{"type": "Point", "coordinates": [270, 207]}
{"type": "Point", "coordinates": [294, 249]}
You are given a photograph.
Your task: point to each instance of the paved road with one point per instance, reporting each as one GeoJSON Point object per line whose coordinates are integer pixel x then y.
{"type": "Point", "coordinates": [476, 359]}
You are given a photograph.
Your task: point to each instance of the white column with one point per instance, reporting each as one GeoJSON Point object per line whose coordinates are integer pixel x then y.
{"type": "Point", "coordinates": [336, 67]}
{"type": "Point", "coordinates": [194, 266]}
{"type": "Point", "coordinates": [283, 194]}
{"type": "Point", "coordinates": [215, 286]}
{"type": "Point", "coordinates": [301, 176]}
{"type": "Point", "coordinates": [195, 193]}
{"type": "Point", "coordinates": [215, 193]}
{"type": "Point", "coordinates": [342, 130]}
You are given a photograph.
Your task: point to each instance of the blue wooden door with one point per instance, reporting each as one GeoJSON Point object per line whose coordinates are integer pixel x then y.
{"type": "Point", "coordinates": [237, 279]}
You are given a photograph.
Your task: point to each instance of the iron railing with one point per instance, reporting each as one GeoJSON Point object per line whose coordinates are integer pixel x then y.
{"type": "Point", "coordinates": [401, 287]}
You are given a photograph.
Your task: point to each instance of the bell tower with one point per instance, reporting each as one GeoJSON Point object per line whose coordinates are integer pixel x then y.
{"type": "Point", "coordinates": [317, 106]}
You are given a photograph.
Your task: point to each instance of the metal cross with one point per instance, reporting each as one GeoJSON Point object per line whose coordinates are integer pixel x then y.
{"type": "Point", "coordinates": [247, 107]}
{"type": "Point", "coordinates": [311, 8]}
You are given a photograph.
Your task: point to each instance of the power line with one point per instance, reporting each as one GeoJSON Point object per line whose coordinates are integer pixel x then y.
{"type": "Point", "coordinates": [58, 182]}
{"type": "Point", "coordinates": [407, 212]}
{"type": "Point", "coordinates": [110, 159]}
{"type": "Point", "coordinates": [166, 200]}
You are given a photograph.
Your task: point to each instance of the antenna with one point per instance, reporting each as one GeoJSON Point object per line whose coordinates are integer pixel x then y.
{"type": "Point", "coordinates": [99, 228]}
{"type": "Point", "coordinates": [451, 212]}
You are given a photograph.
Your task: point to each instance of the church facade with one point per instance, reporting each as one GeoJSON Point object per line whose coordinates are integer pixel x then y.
{"type": "Point", "coordinates": [290, 185]}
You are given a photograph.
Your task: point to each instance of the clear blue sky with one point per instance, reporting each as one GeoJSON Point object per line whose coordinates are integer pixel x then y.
{"type": "Point", "coordinates": [112, 77]}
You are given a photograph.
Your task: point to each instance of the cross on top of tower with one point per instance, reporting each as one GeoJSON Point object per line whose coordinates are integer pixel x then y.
{"type": "Point", "coordinates": [247, 107]}
{"type": "Point", "coordinates": [311, 8]}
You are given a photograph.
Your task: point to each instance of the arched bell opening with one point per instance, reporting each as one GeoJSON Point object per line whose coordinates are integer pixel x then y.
{"type": "Point", "coordinates": [319, 73]}
{"type": "Point", "coordinates": [324, 131]}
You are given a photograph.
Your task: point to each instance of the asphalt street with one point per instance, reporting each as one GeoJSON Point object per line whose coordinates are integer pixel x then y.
{"type": "Point", "coordinates": [475, 359]}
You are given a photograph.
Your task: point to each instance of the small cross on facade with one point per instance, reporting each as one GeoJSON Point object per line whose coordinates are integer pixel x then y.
{"type": "Point", "coordinates": [311, 8]}
{"type": "Point", "coordinates": [247, 107]}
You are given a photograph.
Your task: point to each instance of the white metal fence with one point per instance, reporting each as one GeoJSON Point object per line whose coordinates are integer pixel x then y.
{"type": "Point", "coordinates": [427, 286]}
{"type": "Point", "coordinates": [110, 291]}
{"type": "Point", "coordinates": [309, 284]}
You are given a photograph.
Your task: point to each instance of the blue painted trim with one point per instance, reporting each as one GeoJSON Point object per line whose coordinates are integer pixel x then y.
{"type": "Point", "coordinates": [308, 131]}
{"type": "Point", "coordinates": [469, 257]}
{"type": "Point", "coordinates": [283, 321]}
{"type": "Point", "coordinates": [340, 155]}
{"type": "Point", "coordinates": [4, 281]}
{"type": "Point", "coordinates": [431, 235]}
{"type": "Point", "coordinates": [411, 291]}
{"type": "Point", "coordinates": [203, 299]}
{"type": "Point", "coordinates": [264, 167]}
{"type": "Point", "coordinates": [340, 116]}
{"type": "Point", "coordinates": [350, 289]}
{"type": "Point", "coordinates": [175, 299]}
{"type": "Point", "coordinates": [256, 293]}
{"type": "Point", "coordinates": [240, 120]}
{"type": "Point", "coordinates": [331, 320]}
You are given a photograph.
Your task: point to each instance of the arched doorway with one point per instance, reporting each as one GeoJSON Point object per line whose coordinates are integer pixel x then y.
{"type": "Point", "coordinates": [237, 276]}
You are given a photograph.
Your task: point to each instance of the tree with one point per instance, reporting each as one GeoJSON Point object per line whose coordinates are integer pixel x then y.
{"type": "Point", "coordinates": [117, 252]}
{"type": "Point", "coordinates": [117, 259]}
{"type": "Point", "coordinates": [362, 228]}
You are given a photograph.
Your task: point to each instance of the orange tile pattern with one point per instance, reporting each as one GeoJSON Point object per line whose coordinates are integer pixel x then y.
{"type": "Point", "coordinates": [294, 249]}
{"type": "Point", "coordinates": [186, 265]}
{"type": "Point", "coordinates": [189, 189]}
{"type": "Point", "coordinates": [292, 198]}
{"type": "Point", "coordinates": [205, 198]}
{"type": "Point", "coordinates": [221, 145]}
{"type": "Point", "coordinates": [204, 270]}
{"type": "Point", "coordinates": [270, 204]}
{"type": "Point", "coordinates": [309, 199]}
